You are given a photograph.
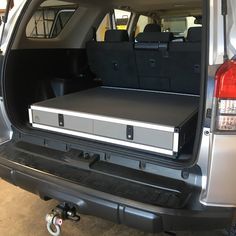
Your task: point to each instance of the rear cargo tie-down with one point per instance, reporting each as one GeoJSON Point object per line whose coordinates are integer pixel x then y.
{"type": "Point", "coordinates": [58, 215]}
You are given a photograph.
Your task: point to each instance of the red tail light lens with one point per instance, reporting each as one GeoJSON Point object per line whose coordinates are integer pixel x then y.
{"type": "Point", "coordinates": [226, 81]}
{"type": "Point", "coordinates": [225, 92]}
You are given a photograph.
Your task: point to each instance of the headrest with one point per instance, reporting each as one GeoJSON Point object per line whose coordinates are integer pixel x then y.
{"type": "Point", "coordinates": [194, 34]}
{"type": "Point", "coordinates": [116, 36]}
{"type": "Point", "coordinates": [154, 37]}
{"type": "Point", "coordinates": [152, 28]}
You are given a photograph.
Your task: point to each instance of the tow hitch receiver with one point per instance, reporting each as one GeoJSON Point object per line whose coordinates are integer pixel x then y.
{"type": "Point", "coordinates": [59, 214]}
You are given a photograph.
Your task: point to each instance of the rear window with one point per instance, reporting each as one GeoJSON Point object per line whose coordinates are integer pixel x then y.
{"type": "Point", "coordinates": [142, 22]}
{"type": "Point", "coordinates": [180, 25]}
{"type": "Point", "coordinates": [50, 19]}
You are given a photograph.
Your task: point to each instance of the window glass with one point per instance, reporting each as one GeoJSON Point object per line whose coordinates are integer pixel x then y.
{"type": "Point", "coordinates": [3, 4]}
{"type": "Point", "coordinates": [104, 26]}
{"type": "Point", "coordinates": [122, 19]}
{"type": "Point", "coordinates": [142, 22]}
{"type": "Point", "coordinates": [50, 19]}
{"type": "Point", "coordinates": [179, 25]}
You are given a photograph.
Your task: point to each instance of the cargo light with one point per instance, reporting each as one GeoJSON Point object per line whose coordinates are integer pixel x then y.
{"type": "Point", "coordinates": [225, 93]}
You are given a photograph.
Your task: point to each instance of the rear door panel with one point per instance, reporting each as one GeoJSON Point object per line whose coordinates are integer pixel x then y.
{"type": "Point", "coordinates": [5, 129]}
{"type": "Point", "coordinates": [221, 189]}
{"type": "Point", "coordinates": [220, 177]}
{"type": "Point", "coordinates": [6, 33]}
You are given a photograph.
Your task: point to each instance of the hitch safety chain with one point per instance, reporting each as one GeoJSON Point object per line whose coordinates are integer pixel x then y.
{"type": "Point", "coordinates": [55, 219]}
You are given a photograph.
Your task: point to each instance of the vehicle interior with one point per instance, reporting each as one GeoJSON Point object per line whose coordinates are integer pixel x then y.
{"type": "Point", "coordinates": [136, 50]}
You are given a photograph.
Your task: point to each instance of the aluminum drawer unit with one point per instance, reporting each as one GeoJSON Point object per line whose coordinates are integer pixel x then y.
{"type": "Point", "coordinates": [150, 121]}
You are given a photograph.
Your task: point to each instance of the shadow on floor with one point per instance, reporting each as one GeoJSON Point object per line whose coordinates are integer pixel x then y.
{"type": "Point", "coordinates": [23, 214]}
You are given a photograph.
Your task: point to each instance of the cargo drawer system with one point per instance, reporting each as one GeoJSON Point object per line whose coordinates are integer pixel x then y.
{"type": "Point", "coordinates": [150, 121]}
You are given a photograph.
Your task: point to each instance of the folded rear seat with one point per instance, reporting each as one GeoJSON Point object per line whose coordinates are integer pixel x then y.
{"type": "Point", "coordinates": [152, 49]}
{"type": "Point", "coordinates": [185, 63]}
{"type": "Point", "coordinates": [154, 63]}
{"type": "Point", "coordinates": [113, 61]}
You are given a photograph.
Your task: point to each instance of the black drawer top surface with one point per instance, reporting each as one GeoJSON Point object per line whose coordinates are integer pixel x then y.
{"type": "Point", "coordinates": [143, 106]}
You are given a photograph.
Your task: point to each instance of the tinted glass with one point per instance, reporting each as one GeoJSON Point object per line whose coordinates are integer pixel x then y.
{"type": "Point", "coordinates": [50, 19]}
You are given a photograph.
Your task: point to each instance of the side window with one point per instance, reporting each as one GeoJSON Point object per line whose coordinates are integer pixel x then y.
{"type": "Point", "coordinates": [122, 19]}
{"type": "Point", "coordinates": [50, 19]}
{"type": "Point", "coordinates": [104, 26]}
{"type": "Point", "coordinates": [142, 22]}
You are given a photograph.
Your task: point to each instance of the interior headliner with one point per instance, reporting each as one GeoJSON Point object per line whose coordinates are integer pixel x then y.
{"type": "Point", "coordinates": [189, 7]}
{"type": "Point", "coordinates": [148, 7]}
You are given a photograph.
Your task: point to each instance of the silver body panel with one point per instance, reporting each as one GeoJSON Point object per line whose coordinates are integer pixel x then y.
{"type": "Point", "coordinates": [220, 189]}
{"type": "Point", "coordinates": [5, 127]}
{"type": "Point", "coordinates": [218, 152]}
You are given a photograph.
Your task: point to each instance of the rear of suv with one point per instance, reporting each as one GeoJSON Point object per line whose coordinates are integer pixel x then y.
{"type": "Point", "coordinates": [123, 110]}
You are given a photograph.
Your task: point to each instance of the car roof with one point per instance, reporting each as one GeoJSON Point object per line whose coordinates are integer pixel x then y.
{"type": "Point", "coordinates": [158, 7]}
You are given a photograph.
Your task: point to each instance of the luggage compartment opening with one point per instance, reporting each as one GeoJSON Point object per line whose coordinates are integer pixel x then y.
{"type": "Point", "coordinates": [150, 119]}
{"type": "Point", "coordinates": [138, 94]}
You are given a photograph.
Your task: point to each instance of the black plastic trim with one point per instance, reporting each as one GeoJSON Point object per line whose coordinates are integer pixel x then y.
{"type": "Point", "coordinates": [145, 217]}
{"type": "Point", "coordinates": [90, 169]}
{"type": "Point", "coordinates": [202, 120]}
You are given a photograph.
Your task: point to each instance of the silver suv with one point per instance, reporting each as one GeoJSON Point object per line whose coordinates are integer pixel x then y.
{"type": "Point", "coordinates": [124, 110]}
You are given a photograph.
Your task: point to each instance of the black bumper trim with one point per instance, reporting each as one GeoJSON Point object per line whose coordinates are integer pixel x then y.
{"type": "Point", "coordinates": [122, 211]}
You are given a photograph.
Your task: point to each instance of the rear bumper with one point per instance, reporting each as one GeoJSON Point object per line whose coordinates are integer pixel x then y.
{"type": "Point", "coordinates": [122, 211]}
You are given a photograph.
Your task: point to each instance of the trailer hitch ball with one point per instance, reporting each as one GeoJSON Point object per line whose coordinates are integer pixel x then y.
{"type": "Point", "coordinates": [54, 224]}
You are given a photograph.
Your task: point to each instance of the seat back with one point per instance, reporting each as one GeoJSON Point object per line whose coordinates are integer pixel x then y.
{"type": "Point", "coordinates": [185, 63]}
{"type": "Point", "coordinates": [154, 62]}
{"type": "Point", "coordinates": [151, 50]}
{"type": "Point", "coordinates": [152, 28]}
{"type": "Point", "coordinates": [113, 61]}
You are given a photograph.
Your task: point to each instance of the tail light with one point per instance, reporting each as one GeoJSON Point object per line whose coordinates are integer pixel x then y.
{"type": "Point", "coordinates": [225, 93]}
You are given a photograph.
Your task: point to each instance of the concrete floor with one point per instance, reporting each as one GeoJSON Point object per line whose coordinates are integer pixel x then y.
{"type": "Point", "coordinates": [22, 214]}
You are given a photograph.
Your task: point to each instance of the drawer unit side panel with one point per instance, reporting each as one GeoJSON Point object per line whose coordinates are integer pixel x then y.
{"type": "Point", "coordinates": [70, 122]}
{"type": "Point", "coordinates": [144, 136]}
{"type": "Point", "coordinates": [157, 138]}
{"type": "Point", "coordinates": [110, 130]}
